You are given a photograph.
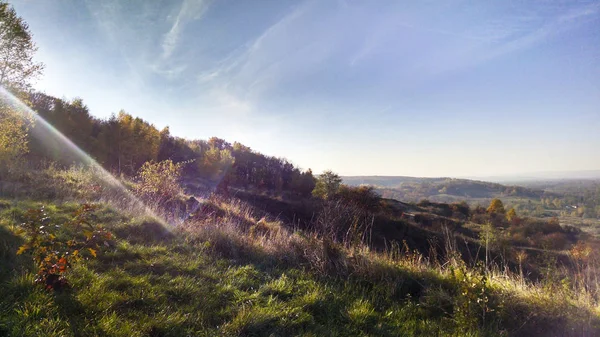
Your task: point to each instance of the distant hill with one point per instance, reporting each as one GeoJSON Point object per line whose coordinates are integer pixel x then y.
{"type": "Point", "coordinates": [441, 189]}
{"type": "Point", "coordinates": [533, 177]}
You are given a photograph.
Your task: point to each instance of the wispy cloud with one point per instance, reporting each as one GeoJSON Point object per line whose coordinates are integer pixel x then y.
{"type": "Point", "coordinates": [552, 27]}
{"type": "Point", "coordinates": [501, 37]}
{"type": "Point", "coordinates": [188, 11]}
{"type": "Point", "coordinates": [234, 82]}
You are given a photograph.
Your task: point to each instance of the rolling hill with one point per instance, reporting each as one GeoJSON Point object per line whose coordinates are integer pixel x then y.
{"type": "Point", "coordinates": [443, 189]}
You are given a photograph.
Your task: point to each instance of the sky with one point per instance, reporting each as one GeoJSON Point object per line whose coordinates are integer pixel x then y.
{"type": "Point", "coordinates": [417, 88]}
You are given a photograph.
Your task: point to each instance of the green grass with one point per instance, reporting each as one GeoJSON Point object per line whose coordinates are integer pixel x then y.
{"type": "Point", "coordinates": [156, 282]}
{"type": "Point", "coordinates": [169, 287]}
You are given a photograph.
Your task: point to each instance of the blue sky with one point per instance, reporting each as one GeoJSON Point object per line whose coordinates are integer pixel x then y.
{"type": "Point", "coordinates": [422, 88]}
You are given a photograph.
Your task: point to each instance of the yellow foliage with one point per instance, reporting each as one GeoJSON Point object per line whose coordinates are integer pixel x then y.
{"type": "Point", "coordinates": [511, 214]}
{"type": "Point", "coordinates": [496, 206]}
{"type": "Point", "coordinates": [13, 133]}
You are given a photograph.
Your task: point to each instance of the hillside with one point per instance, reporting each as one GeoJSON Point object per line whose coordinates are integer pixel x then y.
{"type": "Point", "coordinates": [260, 265]}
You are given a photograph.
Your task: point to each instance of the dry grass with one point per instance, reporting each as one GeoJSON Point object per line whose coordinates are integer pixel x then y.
{"type": "Point", "coordinates": [234, 230]}
{"type": "Point", "coordinates": [522, 305]}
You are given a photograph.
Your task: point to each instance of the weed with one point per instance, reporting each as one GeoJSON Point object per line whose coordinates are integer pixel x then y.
{"type": "Point", "coordinates": [52, 252]}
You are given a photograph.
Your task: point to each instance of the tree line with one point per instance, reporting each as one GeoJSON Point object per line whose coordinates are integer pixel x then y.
{"type": "Point", "coordinates": [123, 143]}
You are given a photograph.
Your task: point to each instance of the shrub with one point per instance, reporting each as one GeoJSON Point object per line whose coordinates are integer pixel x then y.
{"type": "Point", "coordinates": [159, 182]}
{"type": "Point", "coordinates": [54, 252]}
{"type": "Point", "coordinates": [424, 203]}
{"type": "Point", "coordinates": [480, 218]}
{"type": "Point", "coordinates": [460, 210]}
{"type": "Point", "coordinates": [363, 197]}
{"type": "Point", "coordinates": [474, 304]}
{"type": "Point", "coordinates": [555, 241]}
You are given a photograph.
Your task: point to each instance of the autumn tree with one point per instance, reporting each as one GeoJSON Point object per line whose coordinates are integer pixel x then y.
{"type": "Point", "coordinates": [328, 184]}
{"type": "Point", "coordinates": [72, 119]}
{"type": "Point", "coordinates": [511, 214]}
{"type": "Point", "coordinates": [13, 134]}
{"type": "Point", "coordinates": [139, 142]}
{"type": "Point", "coordinates": [496, 206]}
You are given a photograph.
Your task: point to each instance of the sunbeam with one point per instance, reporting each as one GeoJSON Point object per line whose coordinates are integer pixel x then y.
{"type": "Point", "coordinates": [48, 134]}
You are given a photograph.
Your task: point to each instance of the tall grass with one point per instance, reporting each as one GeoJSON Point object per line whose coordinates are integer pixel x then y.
{"type": "Point", "coordinates": [477, 297]}
{"type": "Point", "coordinates": [226, 268]}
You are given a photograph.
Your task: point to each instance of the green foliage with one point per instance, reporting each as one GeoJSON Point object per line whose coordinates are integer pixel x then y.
{"type": "Point", "coordinates": [184, 284]}
{"type": "Point", "coordinates": [490, 239]}
{"type": "Point", "coordinates": [17, 67]}
{"type": "Point", "coordinates": [327, 185]}
{"type": "Point", "coordinates": [53, 251]}
{"type": "Point", "coordinates": [159, 182]}
{"type": "Point", "coordinates": [216, 162]}
{"type": "Point", "coordinates": [473, 299]}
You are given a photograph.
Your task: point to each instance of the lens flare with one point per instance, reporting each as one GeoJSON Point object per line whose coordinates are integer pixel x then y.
{"type": "Point", "coordinates": [47, 134]}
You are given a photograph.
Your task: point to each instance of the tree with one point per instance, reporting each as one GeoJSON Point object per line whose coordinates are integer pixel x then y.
{"type": "Point", "coordinates": [13, 134]}
{"type": "Point", "coordinates": [327, 186]}
{"type": "Point", "coordinates": [496, 206]}
{"type": "Point", "coordinates": [139, 142]}
{"type": "Point", "coordinates": [511, 214]}
{"type": "Point", "coordinates": [17, 48]}
{"type": "Point", "coordinates": [17, 69]}
{"type": "Point", "coordinates": [216, 162]}
{"type": "Point", "coordinates": [303, 183]}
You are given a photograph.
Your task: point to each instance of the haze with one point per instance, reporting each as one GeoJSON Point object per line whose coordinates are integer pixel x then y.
{"type": "Point", "coordinates": [363, 88]}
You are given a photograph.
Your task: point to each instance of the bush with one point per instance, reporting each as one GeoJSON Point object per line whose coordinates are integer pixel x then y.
{"type": "Point", "coordinates": [159, 182]}
{"type": "Point", "coordinates": [556, 241]}
{"type": "Point", "coordinates": [424, 203]}
{"type": "Point", "coordinates": [54, 252]}
{"type": "Point", "coordinates": [460, 210]}
{"type": "Point", "coordinates": [474, 305]}
{"type": "Point", "coordinates": [363, 197]}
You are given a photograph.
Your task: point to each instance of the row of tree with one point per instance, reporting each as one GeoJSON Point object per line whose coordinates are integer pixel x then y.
{"type": "Point", "coordinates": [123, 143]}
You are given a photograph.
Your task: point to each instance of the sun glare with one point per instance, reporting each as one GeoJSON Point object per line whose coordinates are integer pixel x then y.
{"type": "Point", "coordinates": [48, 134]}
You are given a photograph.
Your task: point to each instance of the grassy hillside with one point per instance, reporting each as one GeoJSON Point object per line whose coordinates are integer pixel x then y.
{"type": "Point", "coordinates": [236, 269]}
